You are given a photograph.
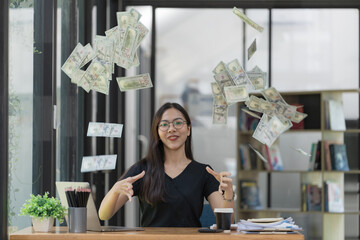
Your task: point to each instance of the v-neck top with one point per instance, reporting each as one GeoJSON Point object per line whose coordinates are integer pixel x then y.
{"type": "Point", "coordinates": [184, 196]}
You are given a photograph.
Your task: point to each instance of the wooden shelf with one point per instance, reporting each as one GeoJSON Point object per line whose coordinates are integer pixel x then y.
{"type": "Point", "coordinates": [332, 223]}
{"type": "Point", "coordinates": [284, 171]}
{"type": "Point", "coordinates": [274, 210]}
{"type": "Point", "coordinates": [344, 131]}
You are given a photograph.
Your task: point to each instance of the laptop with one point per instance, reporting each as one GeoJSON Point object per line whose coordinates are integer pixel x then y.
{"type": "Point", "coordinates": [92, 220]}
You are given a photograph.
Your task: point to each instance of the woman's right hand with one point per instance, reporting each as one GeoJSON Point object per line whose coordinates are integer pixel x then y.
{"type": "Point", "coordinates": [125, 186]}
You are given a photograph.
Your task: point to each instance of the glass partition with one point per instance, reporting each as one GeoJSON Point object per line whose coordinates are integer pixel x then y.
{"type": "Point", "coordinates": [315, 49]}
{"type": "Point", "coordinates": [21, 51]}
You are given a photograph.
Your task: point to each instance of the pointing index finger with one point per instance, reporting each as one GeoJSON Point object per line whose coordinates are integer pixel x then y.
{"type": "Point", "coordinates": [136, 177]}
{"type": "Point", "coordinates": [212, 172]}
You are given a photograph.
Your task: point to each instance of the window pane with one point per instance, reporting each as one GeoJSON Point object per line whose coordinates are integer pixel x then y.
{"type": "Point", "coordinates": [21, 50]}
{"type": "Point", "coordinates": [315, 49]}
{"type": "Point", "coordinates": [261, 56]}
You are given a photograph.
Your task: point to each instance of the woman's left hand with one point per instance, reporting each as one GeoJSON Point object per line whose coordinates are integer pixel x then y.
{"type": "Point", "coordinates": [224, 180]}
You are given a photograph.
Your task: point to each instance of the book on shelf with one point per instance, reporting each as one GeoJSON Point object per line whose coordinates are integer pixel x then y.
{"type": "Point", "coordinates": [273, 156]}
{"type": "Point", "coordinates": [300, 125]}
{"type": "Point", "coordinates": [249, 194]}
{"type": "Point", "coordinates": [338, 155]}
{"type": "Point", "coordinates": [328, 165]}
{"type": "Point", "coordinates": [334, 115]}
{"type": "Point", "coordinates": [334, 201]}
{"type": "Point", "coordinates": [246, 121]}
{"type": "Point", "coordinates": [311, 197]}
{"type": "Point", "coordinates": [315, 158]}
{"type": "Point", "coordinates": [247, 158]}
{"type": "Point", "coordinates": [312, 156]}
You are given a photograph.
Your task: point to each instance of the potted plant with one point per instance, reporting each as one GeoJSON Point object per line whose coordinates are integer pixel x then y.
{"type": "Point", "coordinates": [43, 210]}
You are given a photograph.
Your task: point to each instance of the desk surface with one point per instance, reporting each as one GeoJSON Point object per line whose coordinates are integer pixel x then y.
{"type": "Point", "coordinates": [148, 234]}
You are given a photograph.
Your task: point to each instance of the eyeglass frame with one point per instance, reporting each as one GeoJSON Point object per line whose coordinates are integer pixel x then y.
{"type": "Point", "coordinates": [177, 119]}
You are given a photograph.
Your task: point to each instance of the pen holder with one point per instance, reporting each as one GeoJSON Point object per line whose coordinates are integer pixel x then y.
{"type": "Point", "coordinates": [77, 219]}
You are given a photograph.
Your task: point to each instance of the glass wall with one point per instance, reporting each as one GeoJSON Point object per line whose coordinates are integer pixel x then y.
{"type": "Point", "coordinates": [315, 49]}
{"type": "Point", "coordinates": [21, 51]}
{"type": "Point", "coordinates": [189, 45]}
{"type": "Point", "coordinates": [312, 49]}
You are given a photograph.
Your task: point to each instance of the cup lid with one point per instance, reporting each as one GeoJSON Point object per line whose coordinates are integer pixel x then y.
{"type": "Point", "coordinates": [223, 210]}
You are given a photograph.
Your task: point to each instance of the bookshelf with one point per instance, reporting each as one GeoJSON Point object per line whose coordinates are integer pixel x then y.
{"type": "Point", "coordinates": [280, 192]}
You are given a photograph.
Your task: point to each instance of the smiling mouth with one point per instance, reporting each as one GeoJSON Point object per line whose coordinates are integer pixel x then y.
{"type": "Point", "coordinates": [173, 137]}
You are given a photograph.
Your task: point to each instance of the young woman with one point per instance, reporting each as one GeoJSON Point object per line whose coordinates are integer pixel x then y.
{"type": "Point", "coordinates": [169, 183]}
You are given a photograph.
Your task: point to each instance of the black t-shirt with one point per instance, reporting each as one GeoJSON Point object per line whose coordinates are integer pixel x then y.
{"type": "Point", "coordinates": [184, 197]}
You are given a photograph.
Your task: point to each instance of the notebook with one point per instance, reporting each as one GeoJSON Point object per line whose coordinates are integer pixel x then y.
{"type": "Point", "coordinates": [93, 222]}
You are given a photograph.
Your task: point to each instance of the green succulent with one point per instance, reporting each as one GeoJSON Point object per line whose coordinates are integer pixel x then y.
{"type": "Point", "coordinates": [43, 207]}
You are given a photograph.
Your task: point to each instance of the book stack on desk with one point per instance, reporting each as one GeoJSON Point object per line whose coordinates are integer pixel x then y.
{"type": "Point", "coordinates": [268, 226]}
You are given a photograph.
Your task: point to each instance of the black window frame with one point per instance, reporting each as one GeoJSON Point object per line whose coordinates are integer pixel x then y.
{"type": "Point", "coordinates": [4, 115]}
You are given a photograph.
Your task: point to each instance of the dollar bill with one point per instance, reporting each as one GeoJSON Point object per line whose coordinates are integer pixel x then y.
{"type": "Point", "coordinates": [258, 78]}
{"type": "Point", "coordinates": [259, 154]}
{"type": "Point", "coordinates": [266, 106]}
{"type": "Point", "coordinates": [298, 117]}
{"type": "Point", "coordinates": [223, 79]}
{"type": "Point", "coordinates": [128, 64]}
{"type": "Point", "coordinates": [135, 82]}
{"type": "Point", "coordinates": [125, 19]}
{"type": "Point", "coordinates": [104, 48]}
{"type": "Point", "coordinates": [252, 49]}
{"type": "Point", "coordinates": [253, 103]}
{"type": "Point", "coordinates": [135, 14]}
{"type": "Point", "coordinates": [90, 54]}
{"type": "Point", "coordinates": [100, 129]}
{"type": "Point", "coordinates": [220, 107]}
{"type": "Point", "coordinates": [114, 35]}
{"type": "Point", "coordinates": [91, 74]}
{"type": "Point", "coordinates": [219, 68]}
{"type": "Point", "coordinates": [98, 163]}
{"type": "Point", "coordinates": [72, 64]}
{"type": "Point", "coordinates": [220, 114]}
{"type": "Point", "coordinates": [287, 124]}
{"type": "Point", "coordinates": [219, 99]}
{"type": "Point", "coordinates": [101, 85]}
{"type": "Point", "coordinates": [237, 73]}
{"type": "Point", "coordinates": [251, 113]}
{"type": "Point", "coordinates": [301, 151]}
{"type": "Point", "coordinates": [77, 75]}
{"type": "Point", "coordinates": [127, 49]}
{"type": "Point", "coordinates": [247, 20]}
{"type": "Point", "coordinates": [272, 95]}
{"type": "Point", "coordinates": [267, 130]}
{"type": "Point", "coordinates": [143, 31]}
{"type": "Point", "coordinates": [285, 110]}
{"type": "Point", "coordinates": [215, 89]}
{"type": "Point", "coordinates": [234, 94]}
{"type": "Point", "coordinates": [260, 132]}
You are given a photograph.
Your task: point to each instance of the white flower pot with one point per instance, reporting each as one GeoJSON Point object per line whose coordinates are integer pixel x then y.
{"type": "Point", "coordinates": [44, 225]}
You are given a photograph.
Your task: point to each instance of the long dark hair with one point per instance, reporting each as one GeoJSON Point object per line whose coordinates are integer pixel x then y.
{"type": "Point", "coordinates": [153, 188]}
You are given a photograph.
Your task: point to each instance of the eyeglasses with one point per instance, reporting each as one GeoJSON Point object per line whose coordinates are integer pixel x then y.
{"type": "Point", "coordinates": [165, 125]}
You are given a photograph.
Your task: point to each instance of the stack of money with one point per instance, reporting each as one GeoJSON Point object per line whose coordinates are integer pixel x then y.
{"type": "Point", "coordinates": [234, 86]}
{"type": "Point", "coordinates": [119, 47]}
{"type": "Point", "coordinates": [277, 115]}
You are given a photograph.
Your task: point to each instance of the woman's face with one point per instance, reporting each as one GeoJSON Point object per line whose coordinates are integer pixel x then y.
{"type": "Point", "coordinates": [173, 130]}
